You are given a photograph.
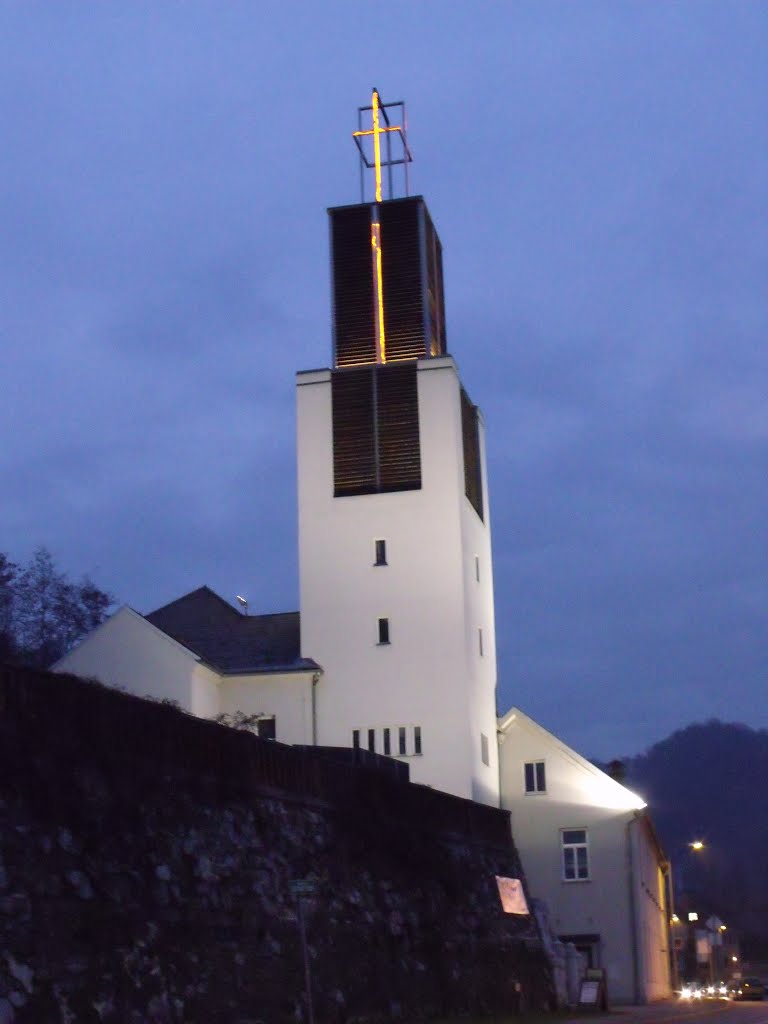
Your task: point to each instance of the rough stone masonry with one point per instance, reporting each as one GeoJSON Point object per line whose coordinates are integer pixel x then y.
{"type": "Point", "coordinates": [146, 862]}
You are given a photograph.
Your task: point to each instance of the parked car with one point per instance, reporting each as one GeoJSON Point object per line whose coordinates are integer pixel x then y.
{"type": "Point", "coordinates": [749, 988]}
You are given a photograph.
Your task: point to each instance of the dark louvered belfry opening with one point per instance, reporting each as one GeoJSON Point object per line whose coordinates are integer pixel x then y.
{"type": "Point", "coordinates": [434, 297]}
{"type": "Point", "coordinates": [354, 326]}
{"type": "Point", "coordinates": [375, 430]}
{"type": "Point", "coordinates": [470, 431]}
{"type": "Point", "coordinates": [402, 274]}
{"type": "Point", "coordinates": [412, 282]}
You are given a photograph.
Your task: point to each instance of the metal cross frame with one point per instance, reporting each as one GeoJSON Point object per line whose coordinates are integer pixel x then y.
{"type": "Point", "coordinates": [379, 112]}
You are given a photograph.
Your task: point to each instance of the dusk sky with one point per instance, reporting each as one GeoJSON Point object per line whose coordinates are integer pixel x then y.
{"type": "Point", "coordinates": [598, 173]}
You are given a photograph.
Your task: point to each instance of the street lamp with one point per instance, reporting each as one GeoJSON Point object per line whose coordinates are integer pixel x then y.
{"type": "Point", "coordinates": [697, 844]}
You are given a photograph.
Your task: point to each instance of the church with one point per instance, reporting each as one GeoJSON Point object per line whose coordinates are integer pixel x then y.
{"type": "Point", "coordinates": [393, 649]}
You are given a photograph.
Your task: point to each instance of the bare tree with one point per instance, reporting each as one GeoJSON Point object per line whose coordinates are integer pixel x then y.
{"type": "Point", "coordinates": [50, 611]}
{"type": "Point", "coordinates": [8, 574]}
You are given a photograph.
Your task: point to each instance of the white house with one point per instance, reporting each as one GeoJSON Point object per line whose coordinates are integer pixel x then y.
{"type": "Point", "coordinates": [211, 660]}
{"type": "Point", "coordinates": [590, 852]}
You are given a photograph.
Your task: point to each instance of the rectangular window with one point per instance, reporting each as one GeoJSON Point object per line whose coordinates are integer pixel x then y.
{"type": "Point", "coordinates": [387, 742]}
{"type": "Point", "coordinates": [372, 740]}
{"type": "Point", "coordinates": [477, 568]}
{"type": "Point", "coordinates": [383, 631]}
{"type": "Point", "coordinates": [480, 641]}
{"type": "Point", "coordinates": [535, 777]}
{"type": "Point", "coordinates": [380, 552]}
{"type": "Point", "coordinates": [356, 739]}
{"type": "Point", "coordinates": [575, 855]}
{"type": "Point", "coordinates": [266, 728]}
{"type": "Point", "coordinates": [417, 739]}
{"type": "Point", "coordinates": [484, 753]}
{"type": "Point", "coordinates": [401, 747]}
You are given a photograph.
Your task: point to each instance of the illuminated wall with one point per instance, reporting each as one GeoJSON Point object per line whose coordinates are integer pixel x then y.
{"type": "Point", "coordinates": [391, 449]}
{"type": "Point", "coordinates": [618, 910]}
{"type": "Point", "coordinates": [438, 670]}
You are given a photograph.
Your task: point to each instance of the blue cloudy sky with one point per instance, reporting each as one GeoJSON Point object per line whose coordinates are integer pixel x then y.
{"type": "Point", "coordinates": [598, 173]}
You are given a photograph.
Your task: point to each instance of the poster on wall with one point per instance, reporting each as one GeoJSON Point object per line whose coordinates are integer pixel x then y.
{"type": "Point", "coordinates": [511, 895]}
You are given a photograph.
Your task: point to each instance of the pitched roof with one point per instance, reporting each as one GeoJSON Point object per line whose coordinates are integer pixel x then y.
{"type": "Point", "coordinates": [229, 641]}
{"type": "Point", "coordinates": [612, 788]}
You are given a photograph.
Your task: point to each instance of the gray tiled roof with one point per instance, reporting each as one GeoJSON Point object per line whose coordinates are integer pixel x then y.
{"type": "Point", "coordinates": [229, 641]}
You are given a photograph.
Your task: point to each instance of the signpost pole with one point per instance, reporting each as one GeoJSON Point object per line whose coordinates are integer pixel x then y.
{"type": "Point", "coordinates": [300, 888]}
{"type": "Point", "coordinates": [305, 954]}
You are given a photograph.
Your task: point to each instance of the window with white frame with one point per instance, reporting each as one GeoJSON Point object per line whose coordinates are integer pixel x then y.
{"type": "Point", "coordinates": [575, 854]}
{"type": "Point", "coordinates": [535, 777]}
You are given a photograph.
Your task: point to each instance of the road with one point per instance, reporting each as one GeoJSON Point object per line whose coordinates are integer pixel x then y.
{"type": "Point", "coordinates": [706, 1012]}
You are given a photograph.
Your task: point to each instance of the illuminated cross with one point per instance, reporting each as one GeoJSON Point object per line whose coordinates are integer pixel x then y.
{"type": "Point", "coordinates": [379, 113]}
{"type": "Point", "coordinates": [376, 131]}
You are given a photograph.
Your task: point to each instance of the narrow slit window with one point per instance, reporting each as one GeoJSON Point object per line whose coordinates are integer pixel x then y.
{"type": "Point", "coordinates": [356, 739]}
{"type": "Point", "coordinates": [484, 751]}
{"type": "Point", "coordinates": [417, 739]}
{"type": "Point", "coordinates": [477, 568]}
{"type": "Point", "coordinates": [383, 631]}
{"type": "Point", "coordinates": [380, 552]}
{"type": "Point", "coordinates": [480, 641]}
{"type": "Point", "coordinates": [401, 741]}
{"type": "Point", "coordinates": [387, 742]}
{"type": "Point", "coordinates": [372, 740]}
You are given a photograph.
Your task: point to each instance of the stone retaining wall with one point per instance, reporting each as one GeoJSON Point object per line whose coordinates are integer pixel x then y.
{"type": "Point", "coordinates": [146, 861]}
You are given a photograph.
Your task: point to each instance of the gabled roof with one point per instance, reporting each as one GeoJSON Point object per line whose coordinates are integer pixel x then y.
{"type": "Point", "coordinates": [517, 718]}
{"type": "Point", "coordinates": [229, 641]}
{"type": "Point", "coordinates": [122, 613]}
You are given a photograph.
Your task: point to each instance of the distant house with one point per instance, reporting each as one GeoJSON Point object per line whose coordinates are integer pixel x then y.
{"type": "Point", "coordinates": [590, 852]}
{"type": "Point", "coordinates": [205, 656]}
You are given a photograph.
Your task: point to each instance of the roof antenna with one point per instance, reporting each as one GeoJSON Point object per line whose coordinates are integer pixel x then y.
{"type": "Point", "coordinates": [243, 602]}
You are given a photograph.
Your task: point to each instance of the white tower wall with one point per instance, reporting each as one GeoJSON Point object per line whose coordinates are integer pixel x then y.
{"type": "Point", "coordinates": [432, 674]}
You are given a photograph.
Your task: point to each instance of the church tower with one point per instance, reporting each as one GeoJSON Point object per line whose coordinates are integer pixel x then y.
{"type": "Point", "coordinates": [396, 583]}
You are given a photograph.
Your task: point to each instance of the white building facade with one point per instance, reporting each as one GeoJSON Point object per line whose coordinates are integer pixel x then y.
{"type": "Point", "coordinates": [416, 563]}
{"type": "Point", "coordinates": [590, 852]}
{"type": "Point", "coordinates": [396, 583]}
{"type": "Point", "coordinates": [204, 656]}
